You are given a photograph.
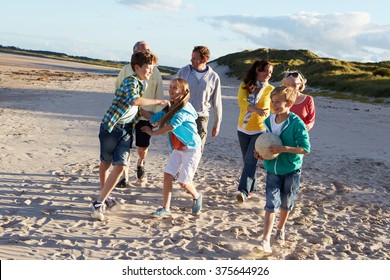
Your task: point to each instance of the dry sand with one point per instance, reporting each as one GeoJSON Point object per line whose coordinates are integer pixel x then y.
{"type": "Point", "coordinates": [49, 157]}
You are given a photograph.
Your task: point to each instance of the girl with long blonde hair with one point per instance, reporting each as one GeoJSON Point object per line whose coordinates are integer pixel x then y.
{"type": "Point", "coordinates": [178, 121]}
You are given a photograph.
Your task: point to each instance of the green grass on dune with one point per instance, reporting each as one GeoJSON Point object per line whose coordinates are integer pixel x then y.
{"type": "Point", "coordinates": [369, 80]}
{"type": "Point", "coordinates": [362, 81]}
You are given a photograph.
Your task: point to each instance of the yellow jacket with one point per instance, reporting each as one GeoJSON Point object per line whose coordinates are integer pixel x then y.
{"type": "Point", "coordinates": [255, 123]}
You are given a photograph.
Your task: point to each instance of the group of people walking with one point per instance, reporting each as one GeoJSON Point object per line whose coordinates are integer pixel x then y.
{"type": "Point", "coordinates": [196, 91]}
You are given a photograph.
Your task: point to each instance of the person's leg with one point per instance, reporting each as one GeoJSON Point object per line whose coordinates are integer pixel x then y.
{"type": "Point", "coordinates": [272, 203]}
{"type": "Point", "coordinates": [190, 159]}
{"type": "Point", "coordinates": [123, 183]}
{"type": "Point", "coordinates": [114, 148]}
{"type": "Point", "coordinates": [197, 197]}
{"type": "Point", "coordinates": [171, 169]}
{"type": "Point", "coordinates": [248, 178]}
{"type": "Point", "coordinates": [272, 192]}
{"type": "Point", "coordinates": [112, 180]}
{"type": "Point", "coordinates": [288, 192]}
{"type": "Point", "coordinates": [120, 157]}
{"type": "Point", "coordinates": [167, 190]}
{"type": "Point", "coordinates": [142, 152]}
{"type": "Point", "coordinates": [202, 123]}
{"type": "Point", "coordinates": [280, 235]}
{"type": "Point", "coordinates": [191, 190]}
{"type": "Point", "coordinates": [283, 219]}
{"type": "Point", "coordinates": [103, 173]}
{"type": "Point", "coordinates": [269, 219]}
{"type": "Point", "coordinates": [142, 141]}
{"type": "Point", "coordinates": [265, 245]}
{"type": "Point", "coordinates": [130, 131]}
{"type": "Point", "coordinates": [126, 172]}
{"type": "Point", "coordinates": [243, 140]}
{"type": "Point", "coordinates": [108, 142]}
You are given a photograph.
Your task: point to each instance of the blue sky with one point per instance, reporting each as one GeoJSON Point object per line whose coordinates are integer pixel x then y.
{"type": "Point", "coordinates": [107, 29]}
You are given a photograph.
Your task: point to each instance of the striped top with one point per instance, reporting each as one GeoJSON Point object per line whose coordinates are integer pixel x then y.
{"type": "Point", "coordinates": [121, 110]}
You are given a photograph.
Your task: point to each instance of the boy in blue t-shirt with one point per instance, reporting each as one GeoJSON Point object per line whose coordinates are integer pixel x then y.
{"type": "Point", "coordinates": [284, 171]}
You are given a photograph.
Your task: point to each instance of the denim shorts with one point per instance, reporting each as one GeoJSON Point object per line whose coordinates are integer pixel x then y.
{"type": "Point", "coordinates": [115, 145]}
{"type": "Point", "coordinates": [281, 190]}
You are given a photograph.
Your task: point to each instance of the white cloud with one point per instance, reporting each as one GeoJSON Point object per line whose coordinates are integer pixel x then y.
{"type": "Point", "coordinates": [153, 4]}
{"type": "Point", "coordinates": [350, 36]}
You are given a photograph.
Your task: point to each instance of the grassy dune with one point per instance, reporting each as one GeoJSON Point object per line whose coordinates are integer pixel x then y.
{"type": "Point", "coordinates": [342, 78]}
{"type": "Point", "coordinates": [336, 78]}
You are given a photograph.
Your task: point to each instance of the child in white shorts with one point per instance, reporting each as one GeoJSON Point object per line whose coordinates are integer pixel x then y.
{"type": "Point", "coordinates": [178, 122]}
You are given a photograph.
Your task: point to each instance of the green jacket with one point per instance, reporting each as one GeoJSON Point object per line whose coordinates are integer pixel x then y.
{"type": "Point", "coordinates": [294, 134]}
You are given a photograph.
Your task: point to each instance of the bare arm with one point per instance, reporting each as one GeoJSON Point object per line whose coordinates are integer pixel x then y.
{"type": "Point", "coordinates": [140, 101]}
{"type": "Point", "coordinates": [146, 114]}
{"type": "Point", "coordinates": [276, 149]}
{"type": "Point", "coordinates": [164, 129]}
{"type": "Point", "coordinates": [259, 111]}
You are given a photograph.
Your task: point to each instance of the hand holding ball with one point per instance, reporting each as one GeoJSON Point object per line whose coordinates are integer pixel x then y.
{"type": "Point", "coordinates": [264, 141]}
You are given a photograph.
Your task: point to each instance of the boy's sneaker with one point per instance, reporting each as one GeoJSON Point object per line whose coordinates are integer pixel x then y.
{"type": "Point", "coordinates": [161, 213]}
{"type": "Point", "coordinates": [140, 172]}
{"type": "Point", "coordinates": [241, 198]}
{"type": "Point", "coordinates": [197, 204]}
{"type": "Point", "coordinates": [265, 246]}
{"type": "Point", "coordinates": [98, 210]}
{"type": "Point", "coordinates": [121, 184]}
{"type": "Point", "coordinates": [110, 203]}
{"type": "Point", "coordinates": [280, 236]}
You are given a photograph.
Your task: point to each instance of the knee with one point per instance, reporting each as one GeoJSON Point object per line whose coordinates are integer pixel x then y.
{"type": "Point", "coordinates": [168, 177]}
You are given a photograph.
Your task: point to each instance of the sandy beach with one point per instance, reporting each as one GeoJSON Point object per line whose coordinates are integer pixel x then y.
{"type": "Point", "coordinates": [49, 156]}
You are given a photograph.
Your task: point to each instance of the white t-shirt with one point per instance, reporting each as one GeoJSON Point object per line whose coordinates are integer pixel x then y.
{"type": "Point", "coordinates": [199, 75]}
{"type": "Point", "coordinates": [129, 115]}
{"type": "Point", "coordinates": [276, 127]}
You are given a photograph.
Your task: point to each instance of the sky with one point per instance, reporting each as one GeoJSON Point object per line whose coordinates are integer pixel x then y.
{"type": "Point", "coordinates": [107, 29]}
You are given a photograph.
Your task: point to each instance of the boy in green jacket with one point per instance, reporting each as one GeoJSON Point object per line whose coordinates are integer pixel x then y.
{"type": "Point", "coordinates": [283, 172]}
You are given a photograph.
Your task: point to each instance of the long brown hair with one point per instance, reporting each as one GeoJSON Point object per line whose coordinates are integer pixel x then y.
{"type": "Point", "coordinates": [250, 78]}
{"type": "Point", "coordinates": [178, 103]}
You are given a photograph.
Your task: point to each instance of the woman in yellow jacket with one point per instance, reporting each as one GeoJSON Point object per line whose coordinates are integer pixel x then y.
{"type": "Point", "coordinates": [254, 102]}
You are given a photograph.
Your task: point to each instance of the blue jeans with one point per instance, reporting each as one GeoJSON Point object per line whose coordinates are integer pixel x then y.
{"type": "Point", "coordinates": [248, 176]}
{"type": "Point", "coordinates": [281, 190]}
{"type": "Point", "coordinates": [115, 145]}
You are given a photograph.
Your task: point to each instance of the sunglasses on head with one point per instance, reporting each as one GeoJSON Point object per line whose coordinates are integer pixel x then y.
{"type": "Point", "coordinates": [294, 74]}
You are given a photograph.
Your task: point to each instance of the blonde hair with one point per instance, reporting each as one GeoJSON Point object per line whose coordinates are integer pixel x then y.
{"type": "Point", "coordinates": [295, 74]}
{"type": "Point", "coordinates": [179, 103]}
{"type": "Point", "coordinates": [288, 92]}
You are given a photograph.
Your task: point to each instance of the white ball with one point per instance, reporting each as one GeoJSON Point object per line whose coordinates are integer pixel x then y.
{"type": "Point", "coordinates": [264, 141]}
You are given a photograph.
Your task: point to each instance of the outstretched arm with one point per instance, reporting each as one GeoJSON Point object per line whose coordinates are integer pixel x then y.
{"type": "Point", "coordinates": [162, 130]}
{"type": "Point", "coordinates": [146, 114]}
{"type": "Point", "coordinates": [140, 101]}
